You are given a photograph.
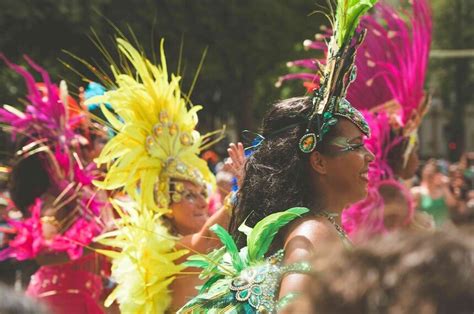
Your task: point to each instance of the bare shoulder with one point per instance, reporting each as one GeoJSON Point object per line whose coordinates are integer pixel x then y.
{"type": "Point", "coordinates": [304, 237]}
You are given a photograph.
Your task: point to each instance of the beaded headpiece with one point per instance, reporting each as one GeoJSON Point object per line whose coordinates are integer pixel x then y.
{"type": "Point", "coordinates": [156, 139]}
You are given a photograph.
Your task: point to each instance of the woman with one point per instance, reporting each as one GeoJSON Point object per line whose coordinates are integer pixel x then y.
{"type": "Point", "coordinates": [51, 186]}
{"type": "Point", "coordinates": [312, 159]}
{"type": "Point", "coordinates": [391, 66]}
{"type": "Point", "coordinates": [154, 159]}
{"type": "Point", "coordinates": [326, 180]}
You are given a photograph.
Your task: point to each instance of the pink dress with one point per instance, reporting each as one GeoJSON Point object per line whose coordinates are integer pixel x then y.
{"type": "Point", "coordinates": [70, 288]}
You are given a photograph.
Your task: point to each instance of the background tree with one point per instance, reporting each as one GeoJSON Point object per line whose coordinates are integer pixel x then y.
{"type": "Point", "coordinates": [248, 44]}
{"type": "Point", "coordinates": [450, 78]}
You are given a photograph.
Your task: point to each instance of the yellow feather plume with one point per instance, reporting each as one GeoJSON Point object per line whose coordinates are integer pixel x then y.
{"type": "Point", "coordinates": [143, 260]}
{"type": "Point", "coordinates": [156, 137]}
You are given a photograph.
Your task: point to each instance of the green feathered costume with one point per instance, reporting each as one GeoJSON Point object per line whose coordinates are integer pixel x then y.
{"type": "Point", "coordinates": [244, 281]}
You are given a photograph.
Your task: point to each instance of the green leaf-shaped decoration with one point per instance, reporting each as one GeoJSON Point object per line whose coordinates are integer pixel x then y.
{"type": "Point", "coordinates": [265, 230]}
{"type": "Point", "coordinates": [230, 246]}
{"type": "Point", "coordinates": [348, 14]}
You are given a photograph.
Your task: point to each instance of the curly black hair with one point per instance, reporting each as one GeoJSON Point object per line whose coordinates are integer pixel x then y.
{"type": "Point", "coordinates": [29, 179]}
{"type": "Point", "coordinates": [276, 174]}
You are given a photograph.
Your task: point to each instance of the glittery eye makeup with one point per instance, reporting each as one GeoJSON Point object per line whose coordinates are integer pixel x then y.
{"type": "Point", "coordinates": [344, 144]}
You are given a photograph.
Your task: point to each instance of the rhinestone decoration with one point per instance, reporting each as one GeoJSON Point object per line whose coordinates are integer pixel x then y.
{"type": "Point", "coordinates": [308, 143]}
{"type": "Point", "coordinates": [259, 284]}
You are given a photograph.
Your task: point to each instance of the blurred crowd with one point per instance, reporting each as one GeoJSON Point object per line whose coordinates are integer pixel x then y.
{"type": "Point", "coordinates": [445, 190]}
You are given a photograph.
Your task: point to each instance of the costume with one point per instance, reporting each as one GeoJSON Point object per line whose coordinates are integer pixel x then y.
{"type": "Point", "coordinates": [49, 129]}
{"type": "Point", "coordinates": [155, 146]}
{"type": "Point", "coordinates": [391, 69]}
{"type": "Point", "coordinates": [248, 281]}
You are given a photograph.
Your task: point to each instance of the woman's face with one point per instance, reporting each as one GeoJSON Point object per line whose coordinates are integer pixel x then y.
{"type": "Point", "coordinates": [190, 213]}
{"type": "Point", "coordinates": [347, 162]}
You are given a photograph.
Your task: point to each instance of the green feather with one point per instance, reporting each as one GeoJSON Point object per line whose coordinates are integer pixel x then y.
{"type": "Point", "coordinates": [265, 230]}
{"type": "Point", "coordinates": [209, 283]}
{"type": "Point", "coordinates": [199, 261]}
{"type": "Point", "coordinates": [348, 14]}
{"type": "Point", "coordinates": [230, 246]}
{"type": "Point", "coordinates": [216, 264]}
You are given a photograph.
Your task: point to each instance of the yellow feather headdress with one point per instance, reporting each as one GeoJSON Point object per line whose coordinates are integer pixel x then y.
{"type": "Point", "coordinates": [156, 138]}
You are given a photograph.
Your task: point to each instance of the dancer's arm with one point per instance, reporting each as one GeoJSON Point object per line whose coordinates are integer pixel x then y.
{"type": "Point", "coordinates": [302, 243]}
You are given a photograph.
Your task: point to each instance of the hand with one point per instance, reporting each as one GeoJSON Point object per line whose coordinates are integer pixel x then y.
{"type": "Point", "coordinates": [236, 161]}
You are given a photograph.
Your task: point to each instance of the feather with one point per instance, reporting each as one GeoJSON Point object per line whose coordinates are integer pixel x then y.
{"type": "Point", "coordinates": [265, 230]}
{"type": "Point", "coordinates": [348, 15]}
{"type": "Point", "coordinates": [230, 246]}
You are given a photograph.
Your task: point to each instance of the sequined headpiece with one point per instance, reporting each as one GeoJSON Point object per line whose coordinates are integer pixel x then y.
{"type": "Point", "coordinates": [49, 125]}
{"type": "Point", "coordinates": [156, 139]}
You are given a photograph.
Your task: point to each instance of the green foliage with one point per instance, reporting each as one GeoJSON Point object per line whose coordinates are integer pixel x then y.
{"type": "Point", "coordinates": [451, 79]}
{"type": "Point", "coordinates": [249, 43]}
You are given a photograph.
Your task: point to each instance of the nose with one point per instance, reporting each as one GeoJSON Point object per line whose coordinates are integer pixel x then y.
{"type": "Point", "coordinates": [202, 202]}
{"type": "Point", "coordinates": [369, 156]}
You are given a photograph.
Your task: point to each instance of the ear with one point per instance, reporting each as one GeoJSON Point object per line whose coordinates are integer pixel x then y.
{"type": "Point", "coordinates": [318, 162]}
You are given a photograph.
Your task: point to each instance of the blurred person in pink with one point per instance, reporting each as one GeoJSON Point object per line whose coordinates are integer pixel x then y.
{"type": "Point", "coordinates": [52, 186]}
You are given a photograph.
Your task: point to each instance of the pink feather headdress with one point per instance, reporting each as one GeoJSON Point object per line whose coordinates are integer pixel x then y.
{"type": "Point", "coordinates": [50, 125]}
{"type": "Point", "coordinates": [391, 67]}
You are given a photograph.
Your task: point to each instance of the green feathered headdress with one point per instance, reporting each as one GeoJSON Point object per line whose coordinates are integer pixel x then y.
{"type": "Point", "coordinates": [336, 74]}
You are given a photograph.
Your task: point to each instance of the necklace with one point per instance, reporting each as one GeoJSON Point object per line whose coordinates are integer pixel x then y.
{"type": "Point", "coordinates": [340, 232]}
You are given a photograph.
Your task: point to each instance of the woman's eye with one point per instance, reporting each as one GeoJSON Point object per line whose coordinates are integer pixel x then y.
{"type": "Point", "coordinates": [357, 146]}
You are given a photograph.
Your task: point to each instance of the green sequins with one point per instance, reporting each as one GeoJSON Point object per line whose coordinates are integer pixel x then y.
{"type": "Point", "coordinates": [344, 109]}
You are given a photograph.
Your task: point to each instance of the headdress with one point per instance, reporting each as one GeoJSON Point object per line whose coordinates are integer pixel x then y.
{"type": "Point", "coordinates": [391, 67]}
{"type": "Point", "coordinates": [48, 126]}
{"type": "Point", "coordinates": [156, 139]}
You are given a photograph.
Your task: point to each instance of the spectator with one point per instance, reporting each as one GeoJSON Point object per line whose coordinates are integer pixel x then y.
{"type": "Point", "coordinates": [401, 273]}
{"type": "Point", "coordinates": [434, 195]}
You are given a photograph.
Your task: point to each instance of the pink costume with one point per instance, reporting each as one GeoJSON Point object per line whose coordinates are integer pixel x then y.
{"type": "Point", "coordinates": [73, 287]}
{"type": "Point", "coordinates": [391, 67]}
{"type": "Point", "coordinates": [49, 123]}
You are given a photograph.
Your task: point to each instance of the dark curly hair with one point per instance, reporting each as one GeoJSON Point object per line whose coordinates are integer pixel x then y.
{"type": "Point", "coordinates": [28, 180]}
{"type": "Point", "coordinates": [276, 174]}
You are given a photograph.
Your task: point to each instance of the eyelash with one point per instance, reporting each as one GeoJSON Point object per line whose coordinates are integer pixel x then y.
{"type": "Point", "coordinates": [356, 146]}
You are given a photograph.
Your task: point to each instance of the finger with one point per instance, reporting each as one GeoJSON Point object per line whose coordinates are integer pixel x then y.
{"type": "Point", "coordinates": [241, 152]}
{"type": "Point", "coordinates": [232, 153]}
